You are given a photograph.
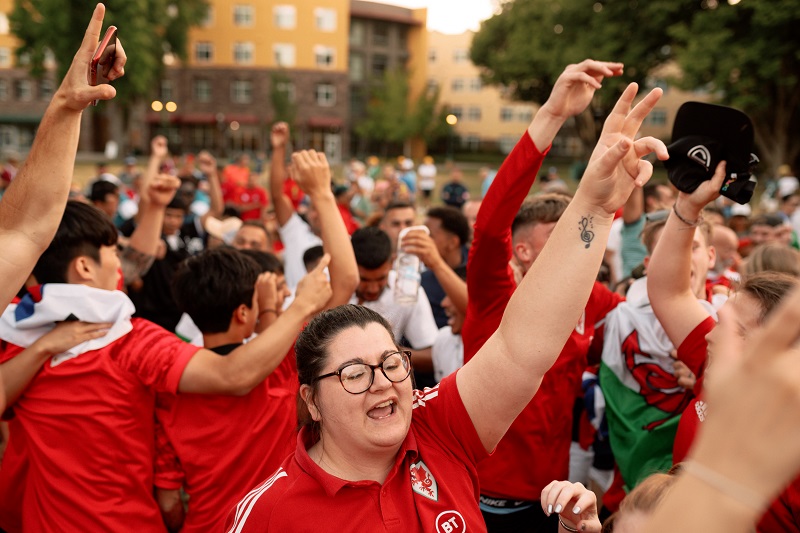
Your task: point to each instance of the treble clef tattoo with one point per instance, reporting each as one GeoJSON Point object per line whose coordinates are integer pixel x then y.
{"type": "Point", "coordinates": [587, 235]}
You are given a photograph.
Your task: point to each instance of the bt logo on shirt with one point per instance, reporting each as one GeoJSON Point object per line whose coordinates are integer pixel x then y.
{"type": "Point", "coordinates": [450, 522]}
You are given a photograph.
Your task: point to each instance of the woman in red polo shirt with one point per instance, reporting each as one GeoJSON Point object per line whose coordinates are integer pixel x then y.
{"type": "Point", "coordinates": [373, 453]}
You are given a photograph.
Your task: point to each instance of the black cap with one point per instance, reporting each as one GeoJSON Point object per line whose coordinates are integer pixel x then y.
{"type": "Point", "coordinates": [705, 134]}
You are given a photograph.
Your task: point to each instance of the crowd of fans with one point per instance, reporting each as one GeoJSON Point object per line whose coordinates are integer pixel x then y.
{"type": "Point", "coordinates": [189, 345]}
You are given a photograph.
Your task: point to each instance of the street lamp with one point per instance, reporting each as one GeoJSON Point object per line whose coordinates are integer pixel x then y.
{"type": "Point", "coordinates": [452, 120]}
{"type": "Point", "coordinates": [165, 109]}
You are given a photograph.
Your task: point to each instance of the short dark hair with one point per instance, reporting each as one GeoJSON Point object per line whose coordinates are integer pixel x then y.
{"type": "Point", "coordinates": [650, 190]}
{"type": "Point", "coordinates": [311, 348]}
{"type": "Point", "coordinates": [83, 230]}
{"type": "Point", "coordinates": [211, 285]}
{"type": "Point", "coordinates": [541, 209]}
{"type": "Point", "coordinates": [100, 189]}
{"type": "Point", "coordinates": [268, 262]}
{"type": "Point", "coordinates": [178, 202]}
{"type": "Point", "coordinates": [372, 247]}
{"type": "Point", "coordinates": [772, 220]}
{"type": "Point", "coordinates": [453, 221]}
{"type": "Point", "coordinates": [312, 256]}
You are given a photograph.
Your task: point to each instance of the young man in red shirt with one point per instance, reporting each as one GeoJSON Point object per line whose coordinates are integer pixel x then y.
{"type": "Point", "coordinates": [87, 416]}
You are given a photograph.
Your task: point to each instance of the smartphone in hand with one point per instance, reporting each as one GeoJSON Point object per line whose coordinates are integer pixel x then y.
{"type": "Point", "coordinates": [103, 59]}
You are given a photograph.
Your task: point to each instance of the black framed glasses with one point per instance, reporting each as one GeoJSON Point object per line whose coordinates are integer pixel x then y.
{"type": "Point", "coordinates": [357, 378]}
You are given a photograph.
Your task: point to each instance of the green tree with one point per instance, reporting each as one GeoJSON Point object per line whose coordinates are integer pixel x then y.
{"type": "Point", "coordinates": [147, 30]}
{"type": "Point", "coordinates": [391, 117]}
{"type": "Point", "coordinates": [283, 106]}
{"type": "Point", "coordinates": [746, 54]}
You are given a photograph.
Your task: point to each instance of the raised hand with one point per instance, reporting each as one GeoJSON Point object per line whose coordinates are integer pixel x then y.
{"type": "Point", "coordinates": [419, 243]}
{"type": "Point", "coordinates": [279, 136]}
{"type": "Point", "coordinates": [206, 163]}
{"type": "Point", "coordinates": [690, 205]}
{"type": "Point", "coordinates": [312, 172]}
{"type": "Point", "coordinates": [267, 293]}
{"type": "Point", "coordinates": [161, 189]}
{"type": "Point", "coordinates": [75, 90]}
{"type": "Point", "coordinates": [575, 504]}
{"type": "Point", "coordinates": [575, 87]}
{"type": "Point", "coordinates": [615, 167]}
{"type": "Point", "coordinates": [159, 147]}
{"type": "Point", "coordinates": [315, 288]}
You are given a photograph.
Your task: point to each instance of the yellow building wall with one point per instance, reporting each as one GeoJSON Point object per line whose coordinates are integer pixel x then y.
{"type": "Point", "coordinates": [6, 39]}
{"type": "Point", "coordinates": [263, 33]}
{"type": "Point", "coordinates": [444, 69]}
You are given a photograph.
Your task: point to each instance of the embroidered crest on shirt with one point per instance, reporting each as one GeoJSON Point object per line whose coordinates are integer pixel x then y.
{"type": "Point", "coordinates": [580, 328]}
{"type": "Point", "coordinates": [422, 481]}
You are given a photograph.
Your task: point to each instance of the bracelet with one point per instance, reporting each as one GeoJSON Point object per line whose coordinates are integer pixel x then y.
{"type": "Point", "coordinates": [737, 491]}
{"type": "Point", "coordinates": [691, 224]}
{"type": "Point", "coordinates": [267, 311]}
{"type": "Point", "coordinates": [565, 526]}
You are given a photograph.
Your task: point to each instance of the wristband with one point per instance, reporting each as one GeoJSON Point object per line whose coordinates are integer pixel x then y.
{"type": "Point", "coordinates": [720, 483]}
{"type": "Point", "coordinates": [565, 526]}
{"type": "Point", "coordinates": [263, 311]}
{"type": "Point", "coordinates": [691, 224]}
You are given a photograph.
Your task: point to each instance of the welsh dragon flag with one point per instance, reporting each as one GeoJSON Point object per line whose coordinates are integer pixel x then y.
{"type": "Point", "coordinates": [643, 399]}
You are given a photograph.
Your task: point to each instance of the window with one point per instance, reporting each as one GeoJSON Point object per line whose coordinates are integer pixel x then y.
{"type": "Point", "coordinates": [325, 94]}
{"type": "Point", "coordinates": [23, 89]}
{"type": "Point", "coordinates": [380, 34]}
{"type": "Point", "coordinates": [5, 56]}
{"type": "Point", "coordinates": [243, 15]}
{"type": "Point", "coordinates": [380, 63]}
{"type": "Point", "coordinates": [457, 111]}
{"type": "Point", "coordinates": [474, 114]}
{"type": "Point", "coordinates": [284, 54]}
{"type": "Point", "coordinates": [3, 90]}
{"type": "Point", "coordinates": [475, 85]}
{"type": "Point", "coordinates": [324, 56]}
{"type": "Point", "coordinates": [241, 91]}
{"type": "Point", "coordinates": [658, 117]}
{"type": "Point", "coordinates": [356, 67]}
{"type": "Point", "coordinates": [506, 114]}
{"type": "Point", "coordinates": [457, 85]}
{"type": "Point", "coordinates": [203, 52]}
{"type": "Point", "coordinates": [167, 90]}
{"type": "Point", "coordinates": [3, 24]}
{"type": "Point", "coordinates": [460, 55]}
{"type": "Point", "coordinates": [524, 115]}
{"type": "Point", "coordinates": [287, 88]}
{"type": "Point", "coordinates": [357, 32]}
{"type": "Point", "coordinates": [285, 17]}
{"type": "Point", "coordinates": [325, 19]}
{"type": "Point", "coordinates": [243, 53]}
{"type": "Point", "coordinates": [46, 89]}
{"type": "Point", "coordinates": [208, 20]}
{"type": "Point", "coordinates": [431, 56]}
{"type": "Point", "coordinates": [433, 85]}
{"type": "Point", "coordinates": [202, 90]}
{"type": "Point", "coordinates": [507, 144]}
{"type": "Point", "coordinates": [471, 142]}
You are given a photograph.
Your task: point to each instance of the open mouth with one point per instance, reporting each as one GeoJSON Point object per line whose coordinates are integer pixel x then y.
{"type": "Point", "coordinates": [382, 410]}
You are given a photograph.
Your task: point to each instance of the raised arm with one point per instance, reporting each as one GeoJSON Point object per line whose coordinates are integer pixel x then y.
{"type": "Point", "coordinates": [248, 365]}
{"type": "Point", "coordinates": [739, 477]}
{"type": "Point", "coordinates": [669, 273]}
{"type": "Point", "coordinates": [207, 164]}
{"type": "Point", "coordinates": [34, 203]}
{"type": "Point", "coordinates": [279, 138]}
{"type": "Point", "coordinates": [420, 243]}
{"type": "Point", "coordinates": [314, 178]}
{"type": "Point", "coordinates": [506, 372]}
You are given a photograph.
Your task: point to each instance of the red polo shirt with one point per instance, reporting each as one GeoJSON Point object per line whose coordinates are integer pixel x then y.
{"type": "Point", "coordinates": [88, 426]}
{"type": "Point", "coordinates": [433, 485]}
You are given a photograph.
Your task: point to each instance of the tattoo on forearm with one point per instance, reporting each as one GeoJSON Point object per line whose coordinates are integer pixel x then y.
{"type": "Point", "coordinates": [587, 235]}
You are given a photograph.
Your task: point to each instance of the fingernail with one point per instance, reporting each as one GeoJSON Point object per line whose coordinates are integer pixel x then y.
{"type": "Point", "coordinates": [558, 508]}
{"type": "Point", "coordinates": [576, 510]}
{"type": "Point", "coordinates": [549, 510]}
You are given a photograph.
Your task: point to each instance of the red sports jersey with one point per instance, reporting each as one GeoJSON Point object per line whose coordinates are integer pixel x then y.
{"type": "Point", "coordinates": [535, 450]}
{"type": "Point", "coordinates": [693, 348]}
{"type": "Point", "coordinates": [433, 485]}
{"type": "Point", "coordinates": [88, 425]}
{"type": "Point", "coordinates": [225, 445]}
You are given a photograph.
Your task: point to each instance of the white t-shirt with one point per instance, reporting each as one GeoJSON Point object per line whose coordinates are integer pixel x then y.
{"type": "Point", "coordinates": [413, 321]}
{"type": "Point", "coordinates": [297, 237]}
{"type": "Point", "coordinates": [447, 353]}
{"type": "Point", "coordinates": [427, 176]}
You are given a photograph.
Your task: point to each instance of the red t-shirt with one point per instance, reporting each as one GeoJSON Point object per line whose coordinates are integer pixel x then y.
{"type": "Point", "coordinates": [433, 485]}
{"type": "Point", "coordinates": [543, 430]}
{"type": "Point", "coordinates": [225, 445]}
{"type": "Point", "coordinates": [88, 425]}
